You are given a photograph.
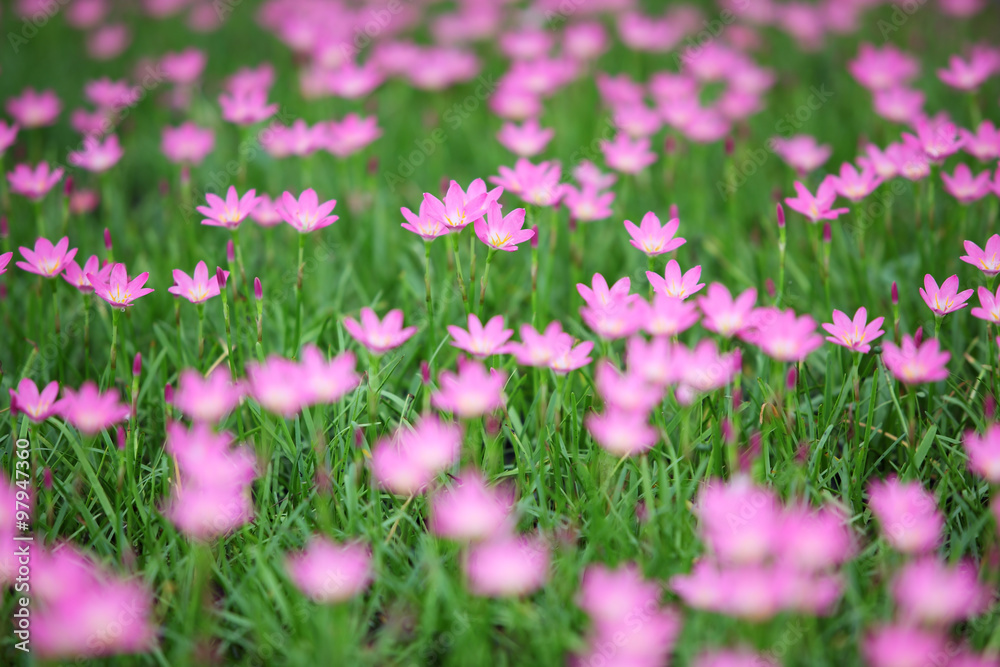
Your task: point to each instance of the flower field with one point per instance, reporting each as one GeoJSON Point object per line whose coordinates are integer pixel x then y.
{"type": "Point", "coordinates": [595, 333]}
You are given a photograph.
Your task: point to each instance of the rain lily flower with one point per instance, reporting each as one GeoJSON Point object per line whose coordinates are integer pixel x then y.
{"type": "Point", "coordinates": [668, 316]}
{"type": "Point", "coordinates": [984, 453]}
{"type": "Point", "coordinates": [601, 297]}
{"type": "Point", "coordinates": [267, 212]}
{"type": "Point", "coordinates": [853, 185]}
{"type": "Point", "coordinates": [947, 298]}
{"type": "Point", "coordinates": [964, 187]}
{"type": "Point", "coordinates": [183, 67]}
{"type": "Point", "coordinates": [119, 291]}
{"type": "Point", "coordinates": [470, 511]}
{"type": "Point", "coordinates": [653, 239]}
{"type": "Point", "coordinates": [569, 357]}
{"type": "Point", "coordinates": [207, 459]}
{"type": "Point", "coordinates": [909, 161]}
{"type": "Point", "coordinates": [108, 95]}
{"type": "Point", "coordinates": [801, 152]}
{"type": "Point", "coordinates": [723, 314]}
{"type": "Point", "coordinates": [197, 289]}
{"type": "Point", "coordinates": [675, 283]}
{"type": "Point", "coordinates": [587, 204]}
{"type": "Point", "coordinates": [899, 104]}
{"type": "Point", "coordinates": [813, 540]}
{"type": "Point", "coordinates": [983, 144]}
{"type": "Point", "coordinates": [228, 213]}
{"type": "Point", "coordinates": [410, 459]}
{"type": "Point", "coordinates": [966, 75]}
{"type": "Point", "coordinates": [626, 155]}
{"type": "Point", "coordinates": [911, 521]}
{"type": "Point", "coordinates": [38, 406]}
{"type": "Point", "coordinates": [538, 349]}
{"type": "Point", "coordinates": [879, 68]}
{"type": "Point", "coordinates": [8, 134]}
{"type": "Point", "coordinates": [328, 381]}
{"type": "Point", "coordinates": [587, 173]}
{"type": "Point", "coordinates": [423, 225]}
{"type": "Point", "coordinates": [902, 646]}
{"type": "Point", "coordinates": [205, 513]}
{"type": "Point", "coordinates": [856, 334]}
{"type": "Point", "coordinates": [77, 277]}
{"type": "Point", "coordinates": [502, 232]}
{"type": "Point", "coordinates": [527, 140]}
{"type": "Point", "coordinates": [535, 184]}
{"type": "Point", "coordinates": [306, 214]}
{"type": "Point", "coordinates": [351, 135]}
{"type": "Point", "coordinates": [507, 566]}
{"type": "Point", "coordinates": [782, 335]}
{"type": "Point", "coordinates": [328, 572]}
{"type": "Point", "coordinates": [471, 392]}
{"type": "Point", "coordinates": [989, 309]}
{"type": "Point", "coordinates": [460, 208]}
{"type": "Point", "coordinates": [913, 364]}
{"type": "Point", "coordinates": [278, 385]}
{"type": "Point", "coordinates": [732, 658]}
{"type": "Point", "coordinates": [879, 162]}
{"type": "Point", "coordinates": [97, 156]}
{"type": "Point", "coordinates": [481, 341]}
{"type": "Point", "coordinates": [619, 320]}
{"type": "Point", "coordinates": [4, 261]}
{"type": "Point", "coordinates": [627, 392]}
{"type": "Point", "coordinates": [187, 143]}
{"type": "Point", "coordinates": [937, 595]}
{"type": "Point", "coordinates": [34, 109]}
{"type": "Point", "coordinates": [819, 207]}
{"type": "Point", "coordinates": [246, 106]}
{"type": "Point", "coordinates": [90, 411]}
{"type": "Point", "coordinates": [34, 182]}
{"type": "Point", "coordinates": [622, 433]}
{"type": "Point", "coordinates": [47, 260]}
{"type": "Point", "coordinates": [207, 399]}
{"type": "Point", "coordinates": [379, 336]}
{"type": "Point", "coordinates": [937, 137]}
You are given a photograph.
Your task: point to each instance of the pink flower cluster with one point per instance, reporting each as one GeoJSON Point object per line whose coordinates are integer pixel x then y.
{"type": "Point", "coordinates": [89, 410]}
{"type": "Point", "coordinates": [286, 387]}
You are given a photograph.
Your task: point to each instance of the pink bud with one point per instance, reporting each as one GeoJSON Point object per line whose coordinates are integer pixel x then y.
{"type": "Point", "coordinates": [730, 145]}
{"type": "Point", "coordinates": [47, 479]}
{"type": "Point", "coordinates": [669, 145]}
{"type": "Point", "coordinates": [534, 237]}
{"type": "Point", "coordinates": [641, 512]}
{"type": "Point", "coordinates": [769, 286]}
{"type": "Point", "coordinates": [373, 165]}
{"type": "Point", "coordinates": [107, 239]}
{"type": "Point", "coordinates": [164, 188]}
{"type": "Point", "coordinates": [168, 393]}
{"type": "Point", "coordinates": [492, 425]}
{"type": "Point", "coordinates": [425, 373]}
{"type": "Point", "coordinates": [258, 291]}
{"type": "Point", "coordinates": [895, 294]}
{"type": "Point", "coordinates": [674, 212]}
{"type": "Point", "coordinates": [792, 378]}
{"type": "Point", "coordinates": [728, 433]}
{"type": "Point", "coordinates": [445, 183]}
{"type": "Point", "coordinates": [220, 275]}
{"type": "Point", "coordinates": [737, 398]}
{"type": "Point", "coordinates": [230, 251]}
{"type": "Point", "coordinates": [802, 453]}
{"type": "Point", "coordinates": [918, 337]}
{"type": "Point", "coordinates": [572, 223]}
{"type": "Point", "coordinates": [4, 228]}
{"type": "Point", "coordinates": [359, 438]}
{"type": "Point", "coordinates": [185, 175]}
{"type": "Point", "coordinates": [121, 438]}
{"type": "Point", "coordinates": [68, 186]}
{"type": "Point", "coordinates": [827, 233]}
{"type": "Point", "coordinates": [137, 365]}
{"type": "Point", "coordinates": [781, 216]}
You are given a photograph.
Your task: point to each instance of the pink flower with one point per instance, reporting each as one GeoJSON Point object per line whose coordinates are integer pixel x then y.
{"type": "Point", "coordinates": [97, 156]}
{"type": "Point", "coordinates": [880, 162]}
{"type": "Point", "coordinates": [351, 135]}
{"type": "Point", "coordinates": [601, 297]}
{"type": "Point", "coordinates": [90, 411]}
{"type": "Point", "coordinates": [207, 399]}
{"type": "Point", "coordinates": [535, 184]}
{"type": "Point", "coordinates": [622, 433]}
{"type": "Point", "coordinates": [328, 381]}
{"type": "Point", "coordinates": [931, 593]}
{"type": "Point", "coordinates": [856, 334]}
{"type": "Point", "coordinates": [909, 161]}
{"type": "Point", "coordinates": [267, 211]}
{"type": "Point", "coordinates": [819, 207]}
{"type": "Point", "coordinates": [587, 173]}
{"type": "Point", "coordinates": [911, 521]}
{"type": "Point", "coordinates": [470, 511]}
{"type": "Point", "coordinates": [183, 67]}
{"type": "Point", "coordinates": [879, 68]}
{"type": "Point", "coordinates": [246, 106]}
{"type": "Point", "coordinates": [119, 291]}
{"type": "Point", "coordinates": [507, 566]}
{"type": "Point", "coordinates": [585, 40]}
{"type": "Point", "coordinates": [278, 385]}
{"type": "Point", "coordinates": [502, 232]}
{"type": "Point", "coordinates": [899, 104]}
{"type": "Point", "coordinates": [328, 572]}
{"type": "Point", "coordinates": [653, 239]}
{"type": "Point", "coordinates": [37, 406]}
{"type": "Point", "coordinates": [984, 453]}
{"type": "Point", "coordinates": [984, 144]}
{"type": "Point", "coordinates": [813, 540]}
{"type": "Point", "coordinates": [967, 75]}
{"type": "Point", "coordinates": [526, 141]}
{"type": "Point", "coordinates": [34, 109]}
{"type": "Point", "coordinates": [587, 204]}
{"type": "Point", "coordinates": [855, 186]}
{"type": "Point", "coordinates": [538, 349]}
{"type": "Point", "coordinates": [947, 298]}
{"type": "Point", "coordinates": [989, 309]}
{"type": "Point", "coordinates": [626, 155]}
{"type": "Point", "coordinates": [674, 283]}
{"type": "Point", "coordinates": [964, 187]}
{"type": "Point", "coordinates": [732, 658]}
{"type": "Point", "coordinates": [410, 459]}
{"type": "Point", "coordinates": [782, 335]}
{"type": "Point", "coordinates": [108, 95]}
{"type": "Point", "coordinates": [723, 314]}
{"type": "Point", "coordinates": [187, 143]}
{"type": "Point", "coordinates": [911, 364]}
{"type": "Point", "coordinates": [937, 137]}
{"type": "Point", "coordinates": [206, 459]}
{"type": "Point", "coordinates": [46, 259]}
{"type": "Point", "coordinates": [669, 316]}
{"type": "Point", "coordinates": [460, 208]}
{"type": "Point", "coordinates": [306, 214]}
{"type": "Point", "coordinates": [569, 357]}
{"type": "Point", "coordinates": [481, 341]}
{"type": "Point", "coordinates": [229, 213]}
{"type": "Point", "coordinates": [704, 369]}
{"type": "Point", "coordinates": [198, 289]}
{"type": "Point", "coordinates": [802, 152]}
{"type": "Point", "coordinates": [637, 120]}
{"type": "Point", "coordinates": [77, 277]}
{"type": "Point", "coordinates": [628, 392]}
{"type": "Point", "coordinates": [471, 392]}
{"type": "Point", "coordinates": [4, 261]}
{"type": "Point", "coordinates": [751, 540]}
{"type": "Point", "coordinates": [901, 646]}
{"type": "Point", "coordinates": [423, 225]}
{"type": "Point", "coordinates": [379, 336]}
{"type": "Point", "coordinates": [205, 513]}
{"type": "Point", "coordinates": [352, 81]}
{"type": "Point", "coordinates": [34, 182]}
{"type": "Point", "coordinates": [8, 134]}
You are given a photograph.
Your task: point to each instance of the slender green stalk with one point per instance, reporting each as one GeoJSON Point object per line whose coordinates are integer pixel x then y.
{"type": "Point", "coordinates": [39, 218]}
{"type": "Point", "coordinates": [86, 335]}
{"type": "Point", "coordinates": [229, 336]}
{"type": "Point", "coordinates": [298, 294]}
{"type": "Point", "coordinates": [473, 240]}
{"type": "Point", "coordinates": [201, 332]}
{"type": "Point", "coordinates": [458, 271]}
{"type": "Point", "coordinates": [486, 275]}
{"type": "Point", "coordinates": [374, 364]}
{"type": "Point", "coordinates": [432, 334]}
{"type": "Point", "coordinates": [55, 320]}
{"type": "Point", "coordinates": [650, 266]}
{"type": "Point", "coordinates": [534, 283]}
{"type": "Point", "coordinates": [115, 316]}
{"type": "Point", "coordinates": [239, 263]}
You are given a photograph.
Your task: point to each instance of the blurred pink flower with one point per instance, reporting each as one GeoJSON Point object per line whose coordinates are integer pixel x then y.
{"type": "Point", "coordinates": [34, 182]}
{"type": "Point", "coordinates": [38, 406]}
{"type": "Point", "coordinates": [910, 519]}
{"type": "Point", "coordinates": [379, 336]}
{"type": "Point", "coordinates": [507, 566]}
{"type": "Point", "coordinates": [228, 213]}
{"type": "Point", "coordinates": [329, 572]}
{"type": "Point", "coordinates": [207, 399]}
{"type": "Point", "coordinates": [306, 214]}
{"type": "Point", "coordinates": [674, 283]}
{"type": "Point", "coordinates": [913, 364]}
{"type": "Point", "coordinates": [469, 510]}
{"type": "Point", "coordinates": [34, 109]}
{"type": "Point", "coordinates": [481, 341]}
{"type": "Point", "coordinates": [471, 392]}
{"type": "Point", "coordinates": [90, 411]}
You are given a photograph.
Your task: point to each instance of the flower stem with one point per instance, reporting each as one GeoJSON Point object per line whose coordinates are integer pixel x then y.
{"type": "Point", "coordinates": [374, 361]}
{"type": "Point", "coordinates": [201, 332]}
{"type": "Point", "coordinates": [472, 266]}
{"type": "Point", "coordinates": [432, 335]}
{"type": "Point", "coordinates": [534, 285]}
{"type": "Point", "coordinates": [650, 266]}
{"type": "Point", "coordinates": [458, 272]}
{"type": "Point", "coordinates": [486, 275]}
{"type": "Point", "coordinates": [115, 316]}
{"type": "Point", "coordinates": [86, 335]}
{"type": "Point", "coordinates": [229, 336]}
{"type": "Point", "coordinates": [298, 294]}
